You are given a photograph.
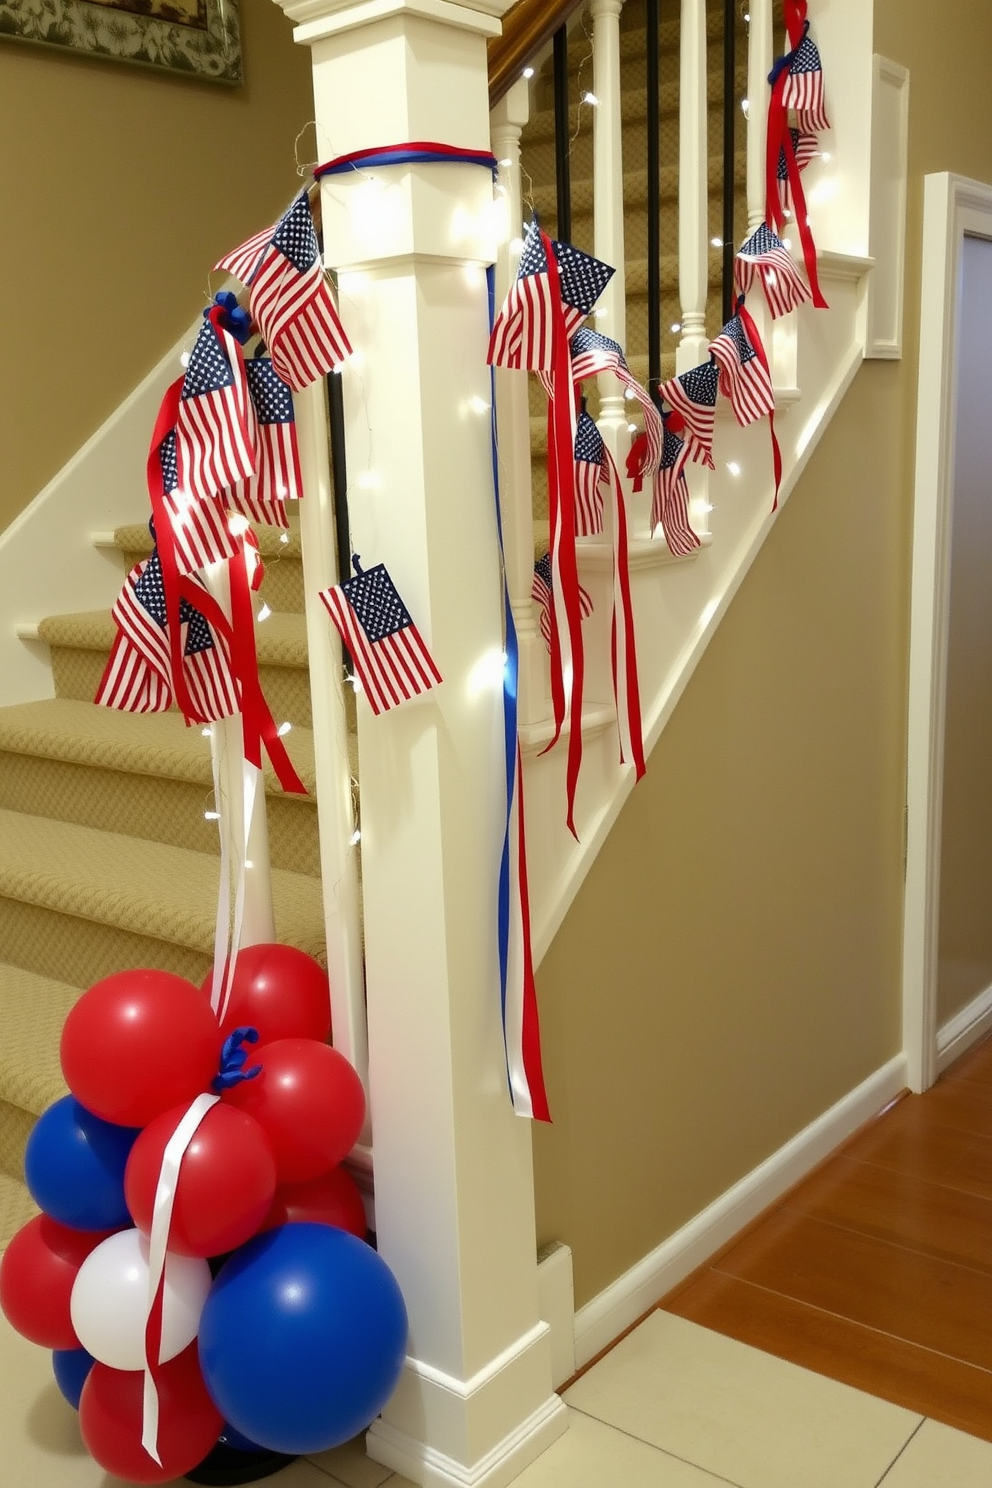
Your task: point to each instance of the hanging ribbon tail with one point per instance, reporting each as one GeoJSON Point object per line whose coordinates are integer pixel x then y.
{"type": "Point", "coordinates": [753, 335]}
{"type": "Point", "coordinates": [626, 692]}
{"type": "Point", "coordinates": [566, 616]}
{"type": "Point", "coordinates": [802, 221]}
{"type": "Point", "coordinates": [165, 1196]}
{"type": "Point", "coordinates": [521, 1025]}
{"type": "Point", "coordinates": [778, 125]}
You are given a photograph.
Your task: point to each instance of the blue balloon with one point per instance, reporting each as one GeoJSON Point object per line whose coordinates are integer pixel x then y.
{"type": "Point", "coordinates": [71, 1366]}
{"type": "Point", "coordinates": [302, 1338]}
{"type": "Point", "coordinates": [238, 1443]}
{"type": "Point", "coordinates": [74, 1165]}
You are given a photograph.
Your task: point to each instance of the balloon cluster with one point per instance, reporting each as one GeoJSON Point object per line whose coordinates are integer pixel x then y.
{"type": "Point", "coordinates": [280, 1328]}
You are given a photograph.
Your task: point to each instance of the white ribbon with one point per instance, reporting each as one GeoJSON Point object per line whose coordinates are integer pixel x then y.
{"type": "Point", "coordinates": [165, 1197]}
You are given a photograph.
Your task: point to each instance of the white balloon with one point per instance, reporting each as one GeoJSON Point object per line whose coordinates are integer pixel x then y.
{"type": "Point", "coordinates": [109, 1301]}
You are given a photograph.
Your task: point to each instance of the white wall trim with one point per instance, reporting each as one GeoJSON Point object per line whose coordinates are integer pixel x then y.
{"type": "Point", "coordinates": [887, 210]}
{"type": "Point", "coordinates": [482, 1377]}
{"type": "Point", "coordinates": [425, 1465]}
{"type": "Point", "coordinates": [600, 1321]}
{"type": "Point", "coordinates": [953, 206]}
{"type": "Point", "coordinates": [958, 1034]}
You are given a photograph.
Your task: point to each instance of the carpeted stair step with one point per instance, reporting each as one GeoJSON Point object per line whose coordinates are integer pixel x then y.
{"type": "Point", "coordinates": [146, 775]}
{"type": "Point", "coordinates": [79, 903]}
{"type": "Point", "coordinates": [281, 553]}
{"type": "Point", "coordinates": [80, 645]}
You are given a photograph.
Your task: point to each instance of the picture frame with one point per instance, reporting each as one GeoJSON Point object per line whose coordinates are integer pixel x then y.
{"type": "Point", "coordinates": [197, 38]}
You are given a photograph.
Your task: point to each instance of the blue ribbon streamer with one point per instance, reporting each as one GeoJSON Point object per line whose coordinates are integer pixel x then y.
{"type": "Point", "coordinates": [233, 1058]}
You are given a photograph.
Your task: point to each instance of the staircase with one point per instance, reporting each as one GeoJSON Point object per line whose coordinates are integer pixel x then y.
{"type": "Point", "coordinates": [108, 859]}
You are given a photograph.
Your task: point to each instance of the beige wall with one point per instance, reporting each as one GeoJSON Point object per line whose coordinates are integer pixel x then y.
{"type": "Point", "coordinates": [731, 965]}
{"type": "Point", "coordinates": [119, 187]}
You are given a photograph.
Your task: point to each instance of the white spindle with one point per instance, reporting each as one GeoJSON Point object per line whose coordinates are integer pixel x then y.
{"type": "Point", "coordinates": [608, 203]}
{"type": "Point", "coordinates": [693, 187]}
{"type": "Point", "coordinates": [513, 421]}
{"type": "Point", "coordinates": [335, 804]}
{"type": "Point", "coordinates": [759, 64]}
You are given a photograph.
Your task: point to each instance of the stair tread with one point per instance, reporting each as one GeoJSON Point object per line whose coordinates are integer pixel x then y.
{"type": "Point", "coordinates": [33, 1009]}
{"type": "Point", "coordinates": [635, 186]}
{"type": "Point", "coordinates": [281, 639]}
{"type": "Point", "coordinates": [147, 888]}
{"type": "Point", "coordinates": [158, 744]}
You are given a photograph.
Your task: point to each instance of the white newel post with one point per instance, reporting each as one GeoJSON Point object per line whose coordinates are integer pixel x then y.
{"type": "Point", "coordinates": [693, 187]}
{"type": "Point", "coordinates": [453, 1173]}
{"type": "Point", "coordinates": [608, 244]}
{"type": "Point", "coordinates": [513, 415]}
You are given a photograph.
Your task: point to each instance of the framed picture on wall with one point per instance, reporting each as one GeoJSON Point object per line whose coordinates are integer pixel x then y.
{"type": "Point", "coordinates": [201, 38]}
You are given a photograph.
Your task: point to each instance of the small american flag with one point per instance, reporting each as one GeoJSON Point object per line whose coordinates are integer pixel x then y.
{"type": "Point", "coordinates": [744, 375]}
{"type": "Point", "coordinates": [277, 479]}
{"type": "Point", "coordinates": [243, 261]}
{"type": "Point", "coordinates": [670, 504]}
{"type": "Point", "coordinates": [805, 147]}
{"type": "Point", "coordinates": [523, 332]}
{"type": "Point", "coordinates": [803, 90]}
{"type": "Point", "coordinates": [216, 433]}
{"type": "Point", "coordinates": [292, 303]}
{"type": "Point", "coordinates": [206, 666]}
{"type": "Point", "coordinates": [693, 394]}
{"type": "Point", "coordinates": [391, 660]}
{"type": "Point", "coordinates": [589, 475]}
{"type": "Point", "coordinates": [130, 683]}
{"type": "Point", "coordinates": [593, 353]}
{"type": "Point", "coordinates": [201, 529]}
{"type": "Point", "coordinates": [541, 594]}
{"type": "Point", "coordinates": [764, 256]}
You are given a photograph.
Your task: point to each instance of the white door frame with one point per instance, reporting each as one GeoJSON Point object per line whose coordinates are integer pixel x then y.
{"type": "Point", "coordinates": [953, 208]}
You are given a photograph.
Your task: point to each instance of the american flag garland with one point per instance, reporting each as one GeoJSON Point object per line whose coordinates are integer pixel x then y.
{"type": "Point", "coordinates": [392, 662]}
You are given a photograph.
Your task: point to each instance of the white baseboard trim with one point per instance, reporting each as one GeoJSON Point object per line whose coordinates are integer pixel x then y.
{"type": "Point", "coordinates": [600, 1321]}
{"type": "Point", "coordinates": [425, 1465]}
{"type": "Point", "coordinates": [966, 1027]}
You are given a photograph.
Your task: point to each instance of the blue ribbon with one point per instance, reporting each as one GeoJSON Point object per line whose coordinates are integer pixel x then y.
{"type": "Point", "coordinates": [416, 154]}
{"type": "Point", "coordinates": [235, 320]}
{"type": "Point", "coordinates": [233, 1058]}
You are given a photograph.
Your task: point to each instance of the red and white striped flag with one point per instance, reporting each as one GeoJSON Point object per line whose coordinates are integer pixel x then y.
{"type": "Point", "coordinates": [541, 594]}
{"type": "Point", "coordinates": [243, 261]}
{"type": "Point", "coordinates": [765, 257]}
{"type": "Point", "coordinates": [592, 353]}
{"type": "Point", "coordinates": [391, 659]}
{"type": "Point", "coordinates": [803, 88]}
{"type": "Point", "coordinates": [216, 432]}
{"type": "Point", "coordinates": [693, 395]}
{"type": "Point", "coordinates": [201, 528]}
{"type": "Point", "coordinates": [291, 301]}
{"type": "Point", "coordinates": [590, 474]}
{"type": "Point", "coordinates": [130, 683]}
{"type": "Point", "coordinates": [523, 332]}
{"type": "Point", "coordinates": [277, 479]}
{"type": "Point", "coordinates": [744, 375]}
{"type": "Point", "coordinates": [805, 147]}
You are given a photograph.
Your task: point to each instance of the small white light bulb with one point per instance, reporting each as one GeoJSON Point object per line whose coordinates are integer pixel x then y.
{"type": "Point", "coordinates": [355, 838]}
{"type": "Point", "coordinates": [733, 467]}
{"type": "Point", "coordinates": [528, 72]}
{"type": "Point", "coordinates": [591, 99]}
{"type": "Point", "coordinates": [211, 816]}
{"type": "Point", "coordinates": [283, 729]}
{"type": "Point", "coordinates": [263, 613]}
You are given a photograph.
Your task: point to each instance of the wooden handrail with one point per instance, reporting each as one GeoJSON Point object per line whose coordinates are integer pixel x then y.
{"type": "Point", "coordinates": [527, 26]}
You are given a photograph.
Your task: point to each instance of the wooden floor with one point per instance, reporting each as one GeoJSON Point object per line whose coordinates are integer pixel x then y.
{"type": "Point", "coordinates": [877, 1270]}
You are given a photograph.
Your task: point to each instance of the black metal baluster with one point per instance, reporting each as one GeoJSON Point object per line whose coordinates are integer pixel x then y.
{"type": "Point", "coordinates": [562, 175]}
{"type": "Point", "coordinates": [729, 122]}
{"type": "Point", "coordinates": [654, 199]}
{"type": "Point", "coordinates": [339, 474]}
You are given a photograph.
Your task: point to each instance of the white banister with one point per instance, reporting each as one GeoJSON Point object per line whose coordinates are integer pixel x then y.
{"type": "Point", "coordinates": [513, 419]}
{"type": "Point", "coordinates": [335, 804]}
{"type": "Point", "coordinates": [608, 239]}
{"type": "Point", "coordinates": [693, 187]}
{"type": "Point", "coordinates": [454, 1188]}
{"type": "Point", "coordinates": [759, 65]}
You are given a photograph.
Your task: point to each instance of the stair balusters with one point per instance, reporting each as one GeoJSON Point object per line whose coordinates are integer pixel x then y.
{"type": "Point", "coordinates": [693, 216]}
{"type": "Point", "coordinates": [608, 235]}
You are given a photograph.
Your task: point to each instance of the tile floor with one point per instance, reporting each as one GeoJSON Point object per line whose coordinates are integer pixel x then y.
{"type": "Point", "coordinates": [672, 1406]}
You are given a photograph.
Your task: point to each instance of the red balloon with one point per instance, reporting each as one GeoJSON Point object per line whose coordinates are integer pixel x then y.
{"type": "Point", "coordinates": [310, 1102]}
{"type": "Point", "coordinates": [226, 1180]}
{"type": "Point", "coordinates": [281, 991]}
{"type": "Point", "coordinates": [36, 1276]}
{"type": "Point", "coordinates": [137, 1043]}
{"type": "Point", "coordinates": [332, 1199]}
{"type": "Point", "coordinates": [110, 1415]}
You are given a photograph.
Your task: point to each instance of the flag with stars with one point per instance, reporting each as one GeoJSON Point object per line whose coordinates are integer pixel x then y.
{"type": "Point", "coordinates": [693, 394]}
{"type": "Point", "coordinates": [803, 87]}
{"type": "Point", "coordinates": [744, 375]}
{"type": "Point", "coordinates": [391, 661]}
{"type": "Point", "coordinates": [541, 594]}
{"type": "Point", "coordinates": [201, 529]}
{"type": "Point", "coordinates": [765, 257]}
{"type": "Point", "coordinates": [291, 301]}
{"type": "Point", "coordinates": [670, 502]}
{"type": "Point", "coordinates": [523, 332]}
{"type": "Point", "coordinates": [277, 479]}
{"type": "Point", "coordinates": [593, 353]}
{"type": "Point", "coordinates": [805, 147]}
{"type": "Point", "coordinates": [216, 432]}
{"type": "Point", "coordinates": [589, 475]}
